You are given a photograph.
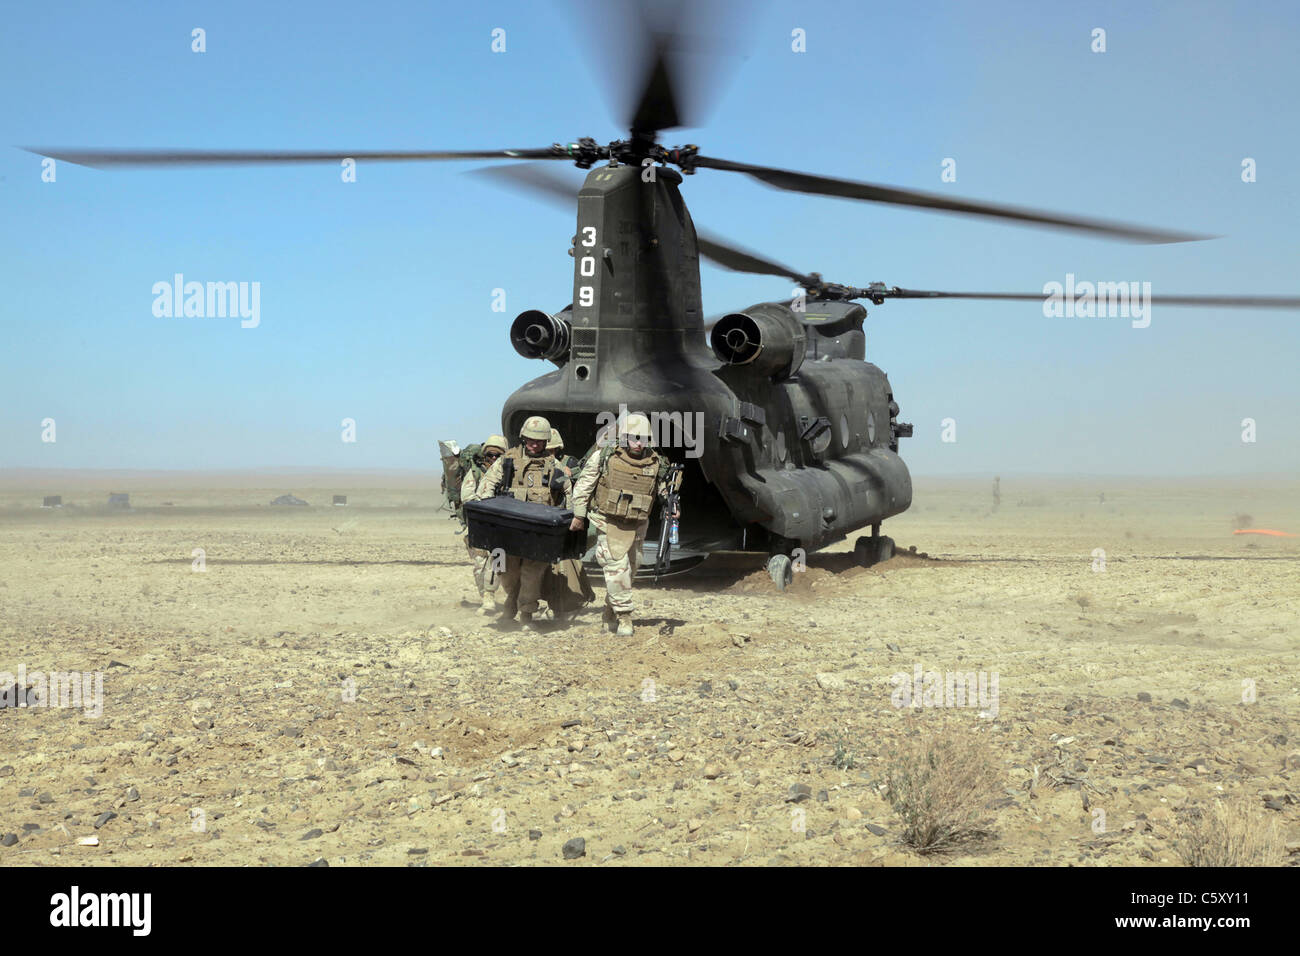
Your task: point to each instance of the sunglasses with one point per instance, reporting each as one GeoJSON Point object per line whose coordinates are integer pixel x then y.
{"type": "Point", "coordinates": [492, 456]}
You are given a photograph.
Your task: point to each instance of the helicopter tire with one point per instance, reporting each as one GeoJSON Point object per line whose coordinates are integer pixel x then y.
{"type": "Point", "coordinates": [781, 569]}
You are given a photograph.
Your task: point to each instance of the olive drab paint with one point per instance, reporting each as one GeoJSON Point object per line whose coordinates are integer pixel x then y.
{"type": "Point", "coordinates": [800, 438]}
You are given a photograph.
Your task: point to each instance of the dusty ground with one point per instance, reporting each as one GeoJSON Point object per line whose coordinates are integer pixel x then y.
{"type": "Point", "coordinates": [230, 733]}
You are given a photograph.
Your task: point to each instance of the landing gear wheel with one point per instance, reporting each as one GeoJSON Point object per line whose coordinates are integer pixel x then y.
{"type": "Point", "coordinates": [781, 570]}
{"type": "Point", "coordinates": [871, 551]}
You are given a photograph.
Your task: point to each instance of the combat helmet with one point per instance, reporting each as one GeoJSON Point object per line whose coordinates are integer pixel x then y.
{"type": "Point", "coordinates": [496, 441]}
{"type": "Point", "coordinates": [536, 426]}
{"type": "Point", "coordinates": [636, 425]}
{"type": "Point", "coordinates": [556, 444]}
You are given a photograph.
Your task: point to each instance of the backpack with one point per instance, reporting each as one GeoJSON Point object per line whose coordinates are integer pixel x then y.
{"type": "Point", "coordinates": [455, 472]}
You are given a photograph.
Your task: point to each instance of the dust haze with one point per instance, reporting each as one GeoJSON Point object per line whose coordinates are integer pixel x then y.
{"type": "Point", "coordinates": [309, 685]}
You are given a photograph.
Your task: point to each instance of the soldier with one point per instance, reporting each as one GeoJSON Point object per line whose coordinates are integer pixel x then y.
{"type": "Point", "coordinates": [556, 447]}
{"type": "Point", "coordinates": [617, 489]}
{"type": "Point", "coordinates": [565, 587]}
{"type": "Point", "coordinates": [570, 465]}
{"type": "Point", "coordinates": [605, 438]}
{"type": "Point", "coordinates": [485, 578]}
{"type": "Point", "coordinates": [535, 477]}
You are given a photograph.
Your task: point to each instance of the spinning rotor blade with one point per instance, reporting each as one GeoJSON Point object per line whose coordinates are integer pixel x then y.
{"type": "Point", "coordinates": [741, 260]}
{"type": "Point", "coordinates": [665, 58]}
{"type": "Point", "coordinates": [108, 158]}
{"type": "Point", "coordinates": [1231, 301]}
{"type": "Point", "coordinates": [851, 189]}
{"type": "Point", "coordinates": [656, 108]}
{"type": "Point", "coordinates": [547, 184]}
{"type": "Point", "coordinates": [660, 50]}
{"type": "Point", "coordinates": [541, 181]}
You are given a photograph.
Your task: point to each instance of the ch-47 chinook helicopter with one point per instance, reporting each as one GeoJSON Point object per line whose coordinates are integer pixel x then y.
{"type": "Point", "coordinates": [801, 434]}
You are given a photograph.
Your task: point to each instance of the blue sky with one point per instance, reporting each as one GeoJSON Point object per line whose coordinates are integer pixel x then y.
{"type": "Point", "coordinates": [375, 295]}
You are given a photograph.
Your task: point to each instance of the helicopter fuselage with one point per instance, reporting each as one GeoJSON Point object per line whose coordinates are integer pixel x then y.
{"type": "Point", "coordinates": [799, 444]}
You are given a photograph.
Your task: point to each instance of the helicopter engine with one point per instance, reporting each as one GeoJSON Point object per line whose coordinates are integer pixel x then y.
{"type": "Point", "coordinates": [768, 338]}
{"type": "Point", "coordinates": [539, 335]}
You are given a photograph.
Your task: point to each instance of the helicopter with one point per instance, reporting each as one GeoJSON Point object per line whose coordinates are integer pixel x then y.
{"type": "Point", "coordinates": [801, 433]}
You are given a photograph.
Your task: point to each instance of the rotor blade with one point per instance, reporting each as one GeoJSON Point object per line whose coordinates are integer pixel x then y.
{"type": "Point", "coordinates": [663, 61]}
{"type": "Point", "coordinates": [851, 189]}
{"type": "Point", "coordinates": [541, 181]}
{"type": "Point", "coordinates": [736, 259]}
{"type": "Point", "coordinates": [547, 184]}
{"type": "Point", "coordinates": [108, 158]}
{"type": "Point", "coordinates": [656, 108]}
{"type": "Point", "coordinates": [1229, 301]}
{"type": "Point", "coordinates": [632, 46]}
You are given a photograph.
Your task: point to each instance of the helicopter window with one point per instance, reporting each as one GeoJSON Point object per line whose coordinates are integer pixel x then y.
{"type": "Point", "coordinates": [871, 428]}
{"type": "Point", "coordinates": [821, 442]}
{"type": "Point", "coordinates": [844, 432]}
{"type": "Point", "coordinates": [780, 446]}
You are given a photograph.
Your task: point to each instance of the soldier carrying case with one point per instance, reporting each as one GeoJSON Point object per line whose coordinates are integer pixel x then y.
{"type": "Point", "coordinates": [524, 529]}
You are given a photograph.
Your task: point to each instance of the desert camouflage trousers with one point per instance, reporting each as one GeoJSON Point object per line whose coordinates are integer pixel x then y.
{"type": "Point", "coordinates": [522, 580]}
{"type": "Point", "coordinates": [618, 552]}
{"type": "Point", "coordinates": [485, 576]}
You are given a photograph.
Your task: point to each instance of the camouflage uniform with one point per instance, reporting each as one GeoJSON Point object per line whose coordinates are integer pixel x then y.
{"type": "Point", "coordinates": [567, 588]}
{"type": "Point", "coordinates": [535, 479]}
{"type": "Point", "coordinates": [485, 576]}
{"type": "Point", "coordinates": [605, 438]}
{"type": "Point", "coordinates": [616, 492]}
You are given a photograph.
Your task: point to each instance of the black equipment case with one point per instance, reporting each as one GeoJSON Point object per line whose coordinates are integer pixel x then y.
{"type": "Point", "coordinates": [523, 529]}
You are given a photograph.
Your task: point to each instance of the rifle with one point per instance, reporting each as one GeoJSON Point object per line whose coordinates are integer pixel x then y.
{"type": "Point", "coordinates": [669, 509]}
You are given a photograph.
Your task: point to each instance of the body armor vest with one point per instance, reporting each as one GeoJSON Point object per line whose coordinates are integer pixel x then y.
{"type": "Point", "coordinates": [626, 488]}
{"type": "Point", "coordinates": [532, 477]}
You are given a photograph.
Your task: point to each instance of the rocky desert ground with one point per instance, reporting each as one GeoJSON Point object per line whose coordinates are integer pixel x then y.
{"type": "Point", "coordinates": [315, 687]}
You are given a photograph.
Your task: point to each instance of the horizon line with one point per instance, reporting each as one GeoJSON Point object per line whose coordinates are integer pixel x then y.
{"type": "Point", "coordinates": [18, 470]}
